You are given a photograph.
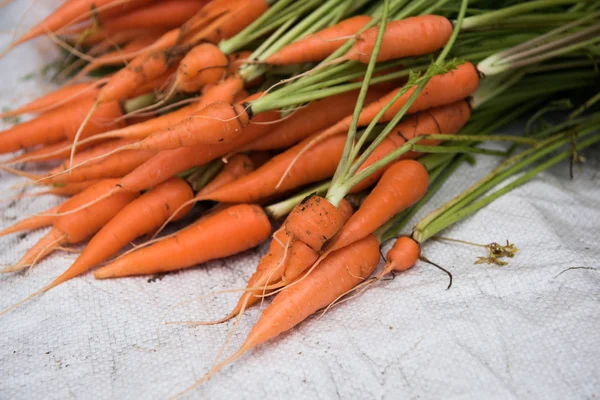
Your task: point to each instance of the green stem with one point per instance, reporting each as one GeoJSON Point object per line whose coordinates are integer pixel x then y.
{"type": "Point", "coordinates": [505, 13]}
{"type": "Point", "coordinates": [279, 210]}
{"type": "Point", "coordinates": [139, 102]}
{"type": "Point", "coordinates": [442, 224]}
{"type": "Point", "coordinates": [345, 159]}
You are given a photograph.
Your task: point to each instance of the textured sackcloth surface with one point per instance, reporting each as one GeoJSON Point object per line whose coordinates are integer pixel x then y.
{"type": "Point", "coordinates": [525, 331]}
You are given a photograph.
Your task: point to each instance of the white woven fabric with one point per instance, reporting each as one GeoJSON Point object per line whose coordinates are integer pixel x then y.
{"type": "Point", "coordinates": [524, 331]}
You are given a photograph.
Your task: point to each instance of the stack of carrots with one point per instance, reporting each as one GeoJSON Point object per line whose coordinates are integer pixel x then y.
{"type": "Point", "coordinates": [322, 126]}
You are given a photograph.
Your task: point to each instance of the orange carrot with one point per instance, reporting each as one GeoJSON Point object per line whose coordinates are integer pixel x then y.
{"type": "Point", "coordinates": [447, 119]}
{"type": "Point", "coordinates": [320, 45]}
{"type": "Point", "coordinates": [67, 14]}
{"type": "Point", "coordinates": [194, 65]}
{"type": "Point", "coordinates": [403, 255]}
{"type": "Point", "coordinates": [168, 163]}
{"type": "Point", "coordinates": [339, 273]}
{"type": "Point", "coordinates": [314, 222]}
{"type": "Point", "coordinates": [306, 121]}
{"type": "Point", "coordinates": [442, 89]}
{"type": "Point", "coordinates": [52, 100]}
{"type": "Point", "coordinates": [33, 222]}
{"type": "Point", "coordinates": [60, 124]}
{"type": "Point", "coordinates": [166, 14]}
{"type": "Point", "coordinates": [78, 226]}
{"type": "Point", "coordinates": [413, 36]}
{"type": "Point", "coordinates": [315, 165]}
{"type": "Point", "coordinates": [56, 151]}
{"type": "Point", "coordinates": [224, 233]}
{"type": "Point", "coordinates": [67, 189]}
{"type": "Point", "coordinates": [402, 185]}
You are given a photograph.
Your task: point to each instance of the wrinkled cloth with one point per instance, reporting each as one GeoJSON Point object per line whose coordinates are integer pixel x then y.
{"type": "Point", "coordinates": [526, 331]}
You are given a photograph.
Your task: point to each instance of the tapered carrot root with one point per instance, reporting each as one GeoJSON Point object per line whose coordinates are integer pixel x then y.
{"type": "Point", "coordinates": [319, 45]}
{"type": "Point", "coordinates": [402, 185]}
{"type": "Point", "coordinates": [224, 233]}
{"type": "Point", "coordinates": [55, 99]}
{"type": "Point", "coordinates": [339, 273]}
{"type": "Point", "coordinates": [315, 165]}
{"type": "Point", "coordinates": [32, 223]}
{"type": "Point", "coordinates": [80, 225]}
{"type": "Point", "coordinates": [68, 189]}
{"type": "Point", "coordinates": [60, 124]}
{"type": "Point", "coordinates": [114, 166]}
{"type": "Point", "coordinates": [448, 119]}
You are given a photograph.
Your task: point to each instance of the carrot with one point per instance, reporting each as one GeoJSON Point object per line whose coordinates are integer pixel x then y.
{"type": "Point", "coordinates": [317, 164]}
{"type": "Point", "coordinates": [33, 222]}
{"type": "Point", "coordinates": [224, 233]}
{"type": "Point", "coordinates": [168, 163]}
{"type": "Point", "coordinates": [194, 65]}
{"type": "Point", "coordinates": [225, 91]}
{"type": "Point", "coordinates": [137, 218]}
{"type": "Point", "coordinates": [314, 222]}
{"type": "Point", "coordinates": [339, 273]}
{"type": "Point", "coordinates": [165, 14]}
{"type": "Point", "coordinates": [236, 167]}
{"type": "Point", "coordinates": [447, 119]}
{"type": "Point", "coordinates": [413, 36]}
{"type": "Point", "coordinates": [52, 100]}
{"type": "Point", "coordinates": [402, 185]}
{"type": "Point", "coordinates": [59, 124]}
{"type": "Point", "coordinates": [319, 45]}
{"type": "Point", "coordinates": [285, 261]}
{"type": "Point", "coordinates": [403, 255]}
{"type": "Point", "coordinates": [207, 14]}
{"type": "Point", "coordinates": [442, 89]}
{"type": "Point", "coordinates": [56, 151]}
{"type": "Point", "coordinates": [67, 14]}
{"type": "Point", "coordinates": [78, 226]}
{"type": "Point", "coordinates": [316, 116]}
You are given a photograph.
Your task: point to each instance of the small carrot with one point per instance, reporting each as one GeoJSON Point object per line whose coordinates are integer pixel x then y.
{"type": "Point", "coordinates": [194, 65]}
{"type": "Point", "coordinates": [224, 233]}
{"type": "Point", "coordinates": [80, 225]}
{"type": "Point", "coordinates": [447, 88]}
{"type": "Point", "coordinates": [315, 165]}
{"type": "Point", "coordinates": [402, 185]}
{"type": "Point", "coordinates": [339, 273]}
{"type": "Point", "coordinates": [60, 124]}
{"type": "Point", "coordinates": [67, 189]}
{"type": "Point", "coordinates": [403, 255]}
{"type": "Point", "coordinates": [319, 45]}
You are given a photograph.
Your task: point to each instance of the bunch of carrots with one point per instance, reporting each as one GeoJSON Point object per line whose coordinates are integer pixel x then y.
{"type": "Point", "coordinates": [322, 126]}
